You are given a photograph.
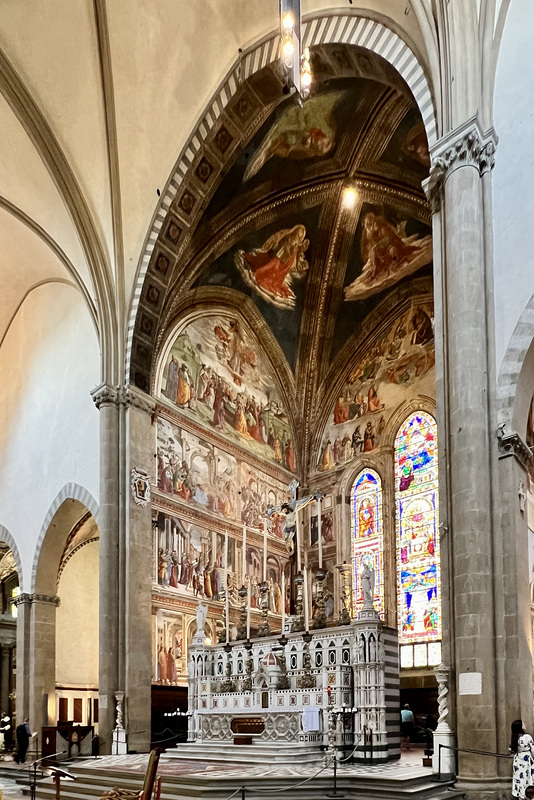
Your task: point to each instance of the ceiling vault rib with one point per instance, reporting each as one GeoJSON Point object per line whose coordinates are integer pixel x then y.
{"type": "Point", "coordinates": [106, 71]}
{"type": "Point", "coordinates": [27, 293]}
{"type": "Point", "coordinates": [56, 249]}
{"type": "Point", "coordinates": [52, 155]}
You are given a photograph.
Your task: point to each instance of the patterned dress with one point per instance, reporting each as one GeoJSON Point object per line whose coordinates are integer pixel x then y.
{"type": "Point", "coordinates": [523, 775]}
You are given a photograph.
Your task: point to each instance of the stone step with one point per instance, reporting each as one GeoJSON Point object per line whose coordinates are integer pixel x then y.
{"type": "Point", "coordinates": [255, 753]}
{"type": "Point", "coordinates": [93, 782]}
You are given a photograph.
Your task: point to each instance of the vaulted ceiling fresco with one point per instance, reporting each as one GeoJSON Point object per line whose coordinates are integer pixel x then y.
{"type": "Point", "coordinates": [305, 218]}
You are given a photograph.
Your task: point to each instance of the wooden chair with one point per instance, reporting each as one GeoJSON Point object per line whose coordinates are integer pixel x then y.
{"type": "Point", "coordinates": [148, 785]}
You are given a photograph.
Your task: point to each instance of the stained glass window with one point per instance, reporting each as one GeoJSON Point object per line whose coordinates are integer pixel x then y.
{"type": "Point", "coordinates": [416, 495]}
{"type": "Point", "coordinates": [367, 536]}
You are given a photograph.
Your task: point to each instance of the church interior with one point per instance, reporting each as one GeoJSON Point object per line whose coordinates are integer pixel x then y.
{"type": "Point", "coordinates": [267, 343]}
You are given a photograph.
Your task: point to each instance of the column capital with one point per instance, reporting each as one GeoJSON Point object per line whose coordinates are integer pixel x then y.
{"type": "Point", "coordinates": [36, 598]}
{"type": "Point", "coordinates": [511, 444]}
{"type": "Point", "coordinates": [466, 146]}
{"type": "Point", "coordinates": [106, 395]}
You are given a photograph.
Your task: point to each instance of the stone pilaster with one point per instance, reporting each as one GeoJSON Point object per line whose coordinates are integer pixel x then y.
{"type": "Point", "coordinates": [141, 437]}
{"type": "Point", "coordinates": [23, 603]}
{"type": "Point", "coordinates": [464, 387]}
{"type": "Point", "coordinates": [108, 400]}
{"type": "Point", "coordinates": [42, 705]}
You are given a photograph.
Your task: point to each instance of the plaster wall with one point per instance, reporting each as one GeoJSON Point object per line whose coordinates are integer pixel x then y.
{"type": "Point", "coordinates": [77, 620]}
{"type": "Point", "coordinates": [49, 432]}
{"type": "Point", "coordinates": [513, 197]}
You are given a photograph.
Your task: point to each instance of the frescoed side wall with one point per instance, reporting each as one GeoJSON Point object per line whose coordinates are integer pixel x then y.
{"type": "Point", "coordinates": [398, 368]}
{"type": "Point", "coordinates": [217, 375]}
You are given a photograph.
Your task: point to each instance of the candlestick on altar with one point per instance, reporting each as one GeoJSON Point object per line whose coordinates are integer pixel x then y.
{"type": "Point", "coordinates": [265, 554]}
{"type": "Point", "coordinates": [244, 570]}
{"type": "Point", "coordinates": [297, 534]}
{"type": "Point", "coordinates": [306, 601]}
{"type": "Point", "coordinates": [226, 592]}
{"type": "Point", "coordinates": [249, 603]}
{"type": "Point", "coordinates": [319, 536]}
{"type": "Point", "coordinates": [283, 599]}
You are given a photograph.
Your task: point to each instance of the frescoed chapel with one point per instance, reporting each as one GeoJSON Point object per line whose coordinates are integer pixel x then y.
{"type": "Point", "coordinates": [289, 311]}
{"type": "Point", "coordinates": [267, 416]}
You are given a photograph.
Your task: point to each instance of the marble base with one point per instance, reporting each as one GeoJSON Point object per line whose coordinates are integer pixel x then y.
{"type": "Point", "coordinates": [119, 746]}
{"type": "Point", "coordinates": [446, 766]}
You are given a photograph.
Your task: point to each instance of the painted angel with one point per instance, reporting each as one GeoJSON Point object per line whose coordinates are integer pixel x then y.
{"type": "Point", "coordinates": [303, 131]}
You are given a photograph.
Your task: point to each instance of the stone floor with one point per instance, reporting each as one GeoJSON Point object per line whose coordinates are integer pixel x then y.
{"type": "Point", "coordinates": [409, 765]}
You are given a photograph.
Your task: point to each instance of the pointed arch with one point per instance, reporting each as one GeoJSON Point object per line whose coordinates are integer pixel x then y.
{"type": "Point", "coordinates": [331, 27]}
{"type": "Point", "coordinates": [5, 536]}
{"type": "Point", "coordinates": [71, 491]}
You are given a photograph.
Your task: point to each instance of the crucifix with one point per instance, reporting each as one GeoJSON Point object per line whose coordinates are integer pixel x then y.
{"type": "Point", "coordinates": [291, 527]}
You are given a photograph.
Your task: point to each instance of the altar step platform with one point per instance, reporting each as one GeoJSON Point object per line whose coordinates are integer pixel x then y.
{"type": "Point", "coordinates": [255, 753]}
{"type": "Point", "coordinates": [192, 778]}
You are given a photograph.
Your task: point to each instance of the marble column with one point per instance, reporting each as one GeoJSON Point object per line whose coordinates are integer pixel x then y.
{"type": "Point", "coordinates": [464, 322]}
{"type": "Point", "coordinates": [42, 661]}
{"type": "Point", "coordinates": [23, 603]}
{"type": "Point", "coordinates": [141, 437]}
{"type": "Point", "coordinates": [108, 400]}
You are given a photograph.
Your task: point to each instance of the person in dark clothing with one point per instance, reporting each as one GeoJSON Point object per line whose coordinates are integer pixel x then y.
{"type": "Point", "coordinates": [23, 740]}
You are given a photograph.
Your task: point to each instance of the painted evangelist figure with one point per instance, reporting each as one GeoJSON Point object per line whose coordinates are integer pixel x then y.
{"type": "Point", "coordinates": [269, 270]}
{"type": "Point", "coordinates": [402, 359]}
{"type": "Point", "coordinates": [302, 132]}
{"type": "Point", "coordinates": [388, 255]}
{"type": "Point", "coordinates": [217, 375]}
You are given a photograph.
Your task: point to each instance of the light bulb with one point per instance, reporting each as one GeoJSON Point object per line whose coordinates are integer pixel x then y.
{"type": "Point", "coordinates": [349, 197]}
{"type": "Point", "coordinates": [288, 22]}
{"type": "Point", "coordinates": [288, 48]}
{"type": "Point", "coordinates": [306, 79]}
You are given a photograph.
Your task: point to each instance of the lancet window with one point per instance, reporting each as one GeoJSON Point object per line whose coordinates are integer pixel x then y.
{"type": "Point", "coordinates": [418, 562]}
{"type": "Point", "coordinates": [367, 535]}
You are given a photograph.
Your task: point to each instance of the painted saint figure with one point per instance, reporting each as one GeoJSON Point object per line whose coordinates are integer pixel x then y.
{"type": "Point", "coordinates": [388, 255]}
{"type": "Point", "coordinates": [270, 269]}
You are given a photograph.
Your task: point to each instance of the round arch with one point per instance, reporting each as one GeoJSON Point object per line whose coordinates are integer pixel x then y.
{"type": "Point", "coordinates": [332, 27]}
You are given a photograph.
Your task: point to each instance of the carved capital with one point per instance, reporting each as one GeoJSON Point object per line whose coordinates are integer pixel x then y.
{"type": "Point", "coordinates": [466, 146]}
{"type": "Point", "coordinates": [106, 395]}
{"type": "Point", "coordinates": [433, 187]}
{"type": "Point", "coordinates": [511, 444]}
{"type": "Point", "coordinates": [23, 598]}
{"type": "Point", "coordinates": [37, 598]}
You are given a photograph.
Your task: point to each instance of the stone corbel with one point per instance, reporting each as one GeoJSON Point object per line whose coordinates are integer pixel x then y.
{"type": "Point", "coordinates": [511, 444]}
{"type": "Point", "coordinates": [467, 146]}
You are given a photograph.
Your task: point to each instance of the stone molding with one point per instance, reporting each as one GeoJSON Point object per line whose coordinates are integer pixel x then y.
{"type": "Point", "coordinates": [25, 597]}
{"type": "Point", "coordinates": [467, 146]}
{"type": "Point", "coordinates": [122, 397]}
{"type": "Point", "coordinates": [511, 444]}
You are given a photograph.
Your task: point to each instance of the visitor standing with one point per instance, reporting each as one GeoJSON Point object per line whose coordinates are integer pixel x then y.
{"type": "Point", "coordinates": [407, 726]}
{"type": "Point", "coordinates": [522, 746]}
{"type": "Point", "coordinates": [23, 740]}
